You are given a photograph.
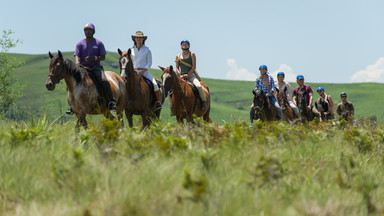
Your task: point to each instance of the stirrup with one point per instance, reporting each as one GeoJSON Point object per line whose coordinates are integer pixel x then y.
{"type": "Point", "coordinates": [69, 111]}
{"type": "Point", "coordinates": [112, 106]}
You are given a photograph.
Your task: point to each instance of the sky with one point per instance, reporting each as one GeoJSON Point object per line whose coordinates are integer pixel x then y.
{"type": "Point", "coordinates": [331, 41]}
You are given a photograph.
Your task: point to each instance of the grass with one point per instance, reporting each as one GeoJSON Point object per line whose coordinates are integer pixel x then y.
{"type": "Point", "coordinates": [209, 169]}
{"type": "Point", "coordinates": [230, 99]}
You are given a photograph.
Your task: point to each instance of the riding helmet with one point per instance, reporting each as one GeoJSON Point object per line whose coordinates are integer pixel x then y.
{"type": "Point", "coordinates": [185, 41]}
{"type": "Point", "coordinates": [320, 89]}
{"type": "Point", "coordinates": [343, 93]}
{"type": "Point", "coordinates": [299, 77]}
{"type": "Point", "coordinates": [281, 73]}
{"type": "Point", "coordinates": [91, 26]}
{"type": "Point", "coordinates": [263, 66]}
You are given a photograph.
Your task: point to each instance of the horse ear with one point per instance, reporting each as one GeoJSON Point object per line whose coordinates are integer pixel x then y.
{"type": "Point", "coordinates": [285, 89]}
{"type": "Point", "coordinates": [129, 52]}
{"type": "Point", "coordinates": [254, 92]}
{"type": "Point", "coordinates": [60, 55]}
{"type": "Point", "coordinates": [119, 51]}
{"type": "Point", "coordinates": [50, 54]}
{"type": "Point", "coordinates": [161, 67]}
{"type": "Point", "coordinates": [171, 67]}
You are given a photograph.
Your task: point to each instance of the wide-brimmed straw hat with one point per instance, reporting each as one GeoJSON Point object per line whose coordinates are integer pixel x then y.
{"type": "Point", "coordinates": [139, 34]}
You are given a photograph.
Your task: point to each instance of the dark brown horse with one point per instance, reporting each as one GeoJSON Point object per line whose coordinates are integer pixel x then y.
{"type": "Point", "coordinates": [139, 98]}
{"type": "Point", "coordinates": [183, 101]}
{"type": "Point", "coordinates": [305, 114]}
{"type": "Point", "coordinates": [82, 93]}
{"type": "Point", "coordinates": [288, 113]}
{"type": "Point", "coordinates": [263, 108]}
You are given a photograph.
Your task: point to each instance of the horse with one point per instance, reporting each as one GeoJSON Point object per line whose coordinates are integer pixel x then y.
{"type": "Point", "coordinates": [288, 113]}
{"type": "Point", "coordinates": [184, 102]}
{"type": "Point", "coordinates": [139, 98]}
{"type": "Point", "coordinates": [82, 94]}
{"type": "Point", "coordinates": [264, 109]}
{"type": "Point", "coordinates": [305, 113]}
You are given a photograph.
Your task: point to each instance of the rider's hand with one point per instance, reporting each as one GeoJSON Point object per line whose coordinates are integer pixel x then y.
{"type": "Point", "coordinates": [309, 107]}
{"type": "Point", "coordinates": [90, 58]}
{"type": "Point", "coordinates": [267, 94]}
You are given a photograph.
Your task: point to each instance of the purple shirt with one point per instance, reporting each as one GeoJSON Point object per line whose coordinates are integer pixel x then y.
{"type": "Point", "coordinates": [94, 48]}
{"type": "Point", "coordinates": [307, 88]}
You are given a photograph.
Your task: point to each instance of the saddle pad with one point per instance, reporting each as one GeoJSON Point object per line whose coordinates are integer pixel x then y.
{"type": "Point", "coordinates": [194, 89]}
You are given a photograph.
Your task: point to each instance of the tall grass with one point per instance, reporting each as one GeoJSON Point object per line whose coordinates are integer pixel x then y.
{"type": "Point", "coordinates": [207, 169]}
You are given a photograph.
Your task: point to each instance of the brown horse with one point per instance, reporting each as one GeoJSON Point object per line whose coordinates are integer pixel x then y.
{"type": "Point", "coordinates": [82, 93]}
{"type": "Point", "coordinates": [288, 113]}
{"type": "Point", "coordinates": [139, 99]}
{"type": "Point", "coordinates": [305, 114]}
{"type": "Point", "coordinates": [263, 108]}
{"type": "Point", "coordinates": [183, 101]}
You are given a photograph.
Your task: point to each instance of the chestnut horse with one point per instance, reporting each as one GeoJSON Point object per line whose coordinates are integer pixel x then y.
{"type": "Point", "coordinates": [82, 93]}
{"type": "Point", "coordinates": [264, 109]}
{"type": "Point", "coordinates": [184, 103]}
{"type": "Point", "coordinates": [305, 114]}
{"type": "Point", "coordinates": [288, 113]}
{"type": "Point", "coordinates": [139, 100]}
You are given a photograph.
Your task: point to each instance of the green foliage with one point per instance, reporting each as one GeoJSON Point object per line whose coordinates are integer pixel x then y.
{"type": "Point", "coordinates": [211, 169]}
{"type": "Point", "coordinates": [10, 88]}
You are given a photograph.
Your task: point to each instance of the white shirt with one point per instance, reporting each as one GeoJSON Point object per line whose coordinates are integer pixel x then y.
{"type": "Point", "coordinates": [141, 58]}
{"type": "Point", "coordinates": [285, 84]}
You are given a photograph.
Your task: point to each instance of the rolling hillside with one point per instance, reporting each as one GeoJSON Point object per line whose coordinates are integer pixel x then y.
{"type": "Point", "coordinates": [230, 99]}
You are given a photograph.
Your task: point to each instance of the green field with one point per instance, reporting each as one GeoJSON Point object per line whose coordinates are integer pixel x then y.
{"type": "Point", "coordinates": [230, 99]}
{"type": "Point", "coordinates": [208, 169]}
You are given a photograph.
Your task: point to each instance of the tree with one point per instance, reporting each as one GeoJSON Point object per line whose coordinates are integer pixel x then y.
{"type": "Point", "coordinates": [10, 88]}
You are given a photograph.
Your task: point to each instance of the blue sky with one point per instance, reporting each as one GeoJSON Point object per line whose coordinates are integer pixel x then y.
{"type": "Point", "coordinates": [334, 41]}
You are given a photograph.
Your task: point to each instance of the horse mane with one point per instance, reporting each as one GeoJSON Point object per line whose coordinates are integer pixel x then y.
{"type": "Point", "coordinates": [79, 72]}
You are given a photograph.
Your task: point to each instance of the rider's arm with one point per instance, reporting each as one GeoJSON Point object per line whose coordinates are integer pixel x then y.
{"type": "Point", "coordinates": [330, 104]}
{"type": "Point", "coordinates": [310, 98]}
{"type": "Point", "coordinates": [177, 65]}
{"type": "Point", "coordinates": [77, 59]}
{"type": "Point", "coordinates": [149, 61]}
{"type": "Point", "coordinates": [100, 58]}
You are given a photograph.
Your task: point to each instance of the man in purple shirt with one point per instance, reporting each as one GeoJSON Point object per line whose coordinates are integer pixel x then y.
{"type": "Point", "coordinates": [89, 52]}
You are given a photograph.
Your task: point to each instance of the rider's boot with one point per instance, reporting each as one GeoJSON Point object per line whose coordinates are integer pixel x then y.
{"type": "Point", "coordinates": [157, 103]}
{"type": "Point", "coordinates": [203, 98]}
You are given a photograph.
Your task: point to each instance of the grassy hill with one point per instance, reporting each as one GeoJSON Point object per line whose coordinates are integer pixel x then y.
{"type": "Point", "coordinates": [230, 99]}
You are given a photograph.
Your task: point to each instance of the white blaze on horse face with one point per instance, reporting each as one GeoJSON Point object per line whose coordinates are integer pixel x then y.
{"type": "Point", "coordinates": [124, 62]}
{"type": "Point", "coordinates": [165, 75]}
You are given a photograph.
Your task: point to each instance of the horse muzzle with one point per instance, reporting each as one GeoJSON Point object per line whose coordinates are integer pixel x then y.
{"type": "Point", "coordinates": [50, 85]}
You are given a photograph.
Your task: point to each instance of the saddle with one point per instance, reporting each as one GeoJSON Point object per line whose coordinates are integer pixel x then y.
{"type": "Point", "coordinates": [151, 88]}
{"type": "Point", "coordinates": [194, 89]}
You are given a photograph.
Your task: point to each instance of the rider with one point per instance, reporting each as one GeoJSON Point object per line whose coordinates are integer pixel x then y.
{"type": "Point", "coordinates": [308, 96]}
{"type": "Point", "coordinates": [345, 109]}
{"type": "Point", "coordinates": [186, 61]}
{"type": "Point", "coordinates": [266, 84]}
{"type": "Point", "coordinates": [281, 84]}
{"type": "Point", "coordinates": [142, 62]}
{"type": "Point", "coordinates": [325, 103]}
{"type": "Point", "coordinates": [89, 53]}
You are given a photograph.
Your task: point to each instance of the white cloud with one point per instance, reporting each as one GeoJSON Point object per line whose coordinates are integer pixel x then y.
{"type": "Point", "coordinates": [236, 73]}
{"type": "Point", "coordinates": [373, 73]}
{"type": "Point", "coordinates": [289, 75]}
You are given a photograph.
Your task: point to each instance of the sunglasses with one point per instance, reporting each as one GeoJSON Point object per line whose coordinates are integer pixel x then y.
{"type": "Point", "coordinates": [343, 96]}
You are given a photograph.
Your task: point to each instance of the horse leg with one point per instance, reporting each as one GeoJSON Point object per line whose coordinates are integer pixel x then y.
{"type": "Point", "coordinates": [77, 128]}
{"type": "Point", "coordinates": [83, 121]}
{"type": "Point", "coordinates": [129, 118]}
{"type": "Point", "coordinates": [108, 115]}
{"type": "Point", "coordinates": [146, 121]}
{"type": "Point", "coordinates": [206, 116]}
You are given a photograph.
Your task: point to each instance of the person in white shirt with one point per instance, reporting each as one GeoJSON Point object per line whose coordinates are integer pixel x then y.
{"type": "Point", "coordinates": [142, 61]}
{"type": "Point", "coordinates": [281, 84]}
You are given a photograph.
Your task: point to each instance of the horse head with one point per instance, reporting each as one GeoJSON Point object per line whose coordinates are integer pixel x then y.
{"type": "Point", "coordinates": [259, 100]}
{"type": "Point", "coordinates": [56, 71]}
{"type": "Point", "coordinates": [167, 78]}
{"type": "Point", "coordinates": [282, 98]}
{"type": "Point", "coordinates": [300, 100]}
{"type": "Point", "coordinates": [125, 62]}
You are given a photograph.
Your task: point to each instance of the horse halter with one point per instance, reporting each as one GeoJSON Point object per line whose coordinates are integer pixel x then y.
{"type": "Point", "coordinates": [54, 75]}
